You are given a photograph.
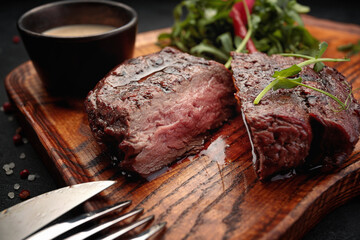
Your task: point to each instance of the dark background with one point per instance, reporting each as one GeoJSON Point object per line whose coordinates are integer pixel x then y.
{"type": "Point", "coordinates": [342, 223]}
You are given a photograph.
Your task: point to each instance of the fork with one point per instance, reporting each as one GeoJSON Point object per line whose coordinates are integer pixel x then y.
{"type": "Point", "coordinates": [58, 229]}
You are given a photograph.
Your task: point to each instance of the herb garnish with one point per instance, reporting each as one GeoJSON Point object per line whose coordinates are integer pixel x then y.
{"type": "Point", "coordinates": [350, 49]}
{"type": "Point", "coordinates": [205, 29]}
{"type": "Point", "coordinates": [284, 79]}
{"type": "Point", "coordinates": [246, 38]}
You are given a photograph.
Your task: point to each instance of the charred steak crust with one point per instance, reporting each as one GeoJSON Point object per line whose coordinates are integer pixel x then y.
{"type": "Point", "coordinates": [157, 108]}
{"type": "Point", "coordinates": [293, 127]}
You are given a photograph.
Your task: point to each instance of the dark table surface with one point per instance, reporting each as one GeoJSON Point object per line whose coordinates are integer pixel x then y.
{"type": "Point", "coordinates": [342, 223]}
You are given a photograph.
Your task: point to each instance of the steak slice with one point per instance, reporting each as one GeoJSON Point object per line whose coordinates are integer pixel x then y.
{"type": "Point", "coordinates": [158, 108]}
{"type": "Point", "coordinates": [294, 127]}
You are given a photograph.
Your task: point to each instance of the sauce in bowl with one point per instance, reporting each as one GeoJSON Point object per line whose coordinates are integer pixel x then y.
{"type": "Point", "coordinates": [78, 30]}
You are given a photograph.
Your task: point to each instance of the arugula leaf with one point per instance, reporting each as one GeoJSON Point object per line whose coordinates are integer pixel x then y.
{"type": "Point", "coordinates": [205, 48]}
{"type": "Point", "coordinates": [282, 80]}
{"type": "Point", "coordinates": [350, 49]}
{"type": "Point", "coordinates": [226, 42]}
{"type": "Point", "coordinates": [277, 28]}
{"type": "Point", "coordinates": [298, 7]}
{"type": "Point", "coordinates": [287, 72]}
{"type": "Point", "coordinates": [280, 24]}
{"type": "Point", "coordinates": [322, 48]}
{"type": "Point", "coordinates": [287, 83]}
{"type": "Point", "coordinates": [320, 65]}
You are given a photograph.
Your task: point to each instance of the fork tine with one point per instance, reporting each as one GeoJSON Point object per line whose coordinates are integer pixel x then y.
{"type": "Point", "coordinates": [150, 232]}
{"type": "Point", "coordinates": [87, 233]}
{"type": "Point", "coordinates": [129, 228]}
{"type": "Point", "coordinates": [60, 228]}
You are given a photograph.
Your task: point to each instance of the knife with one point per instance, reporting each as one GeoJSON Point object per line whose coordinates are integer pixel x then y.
{"type": "Point", "coordinates": [21, 220]}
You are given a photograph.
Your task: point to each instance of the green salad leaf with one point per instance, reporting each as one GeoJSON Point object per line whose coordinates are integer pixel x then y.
{"type": "Point", "coordinates": [278, 28]}
{"type": "Point", "coordinates": [204, 28]}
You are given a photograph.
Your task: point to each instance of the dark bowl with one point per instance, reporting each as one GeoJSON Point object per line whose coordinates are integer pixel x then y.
{"type": "Point", "coordinates": [71, 66]}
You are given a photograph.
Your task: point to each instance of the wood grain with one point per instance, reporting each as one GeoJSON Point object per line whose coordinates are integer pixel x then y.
{"type": "Point", "coordinates": [214, 195]}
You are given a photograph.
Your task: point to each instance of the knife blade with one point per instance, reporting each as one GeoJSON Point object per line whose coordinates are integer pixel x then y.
{"type": "Point", "coordinates": [19, 221]}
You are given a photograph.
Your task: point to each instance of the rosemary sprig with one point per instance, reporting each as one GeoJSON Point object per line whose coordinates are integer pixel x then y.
{"type": "Point", "coordinates": [282, 78]}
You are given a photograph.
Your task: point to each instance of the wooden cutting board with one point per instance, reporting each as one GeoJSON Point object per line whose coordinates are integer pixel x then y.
{"type": "Point", "coordinates": [214, 195]}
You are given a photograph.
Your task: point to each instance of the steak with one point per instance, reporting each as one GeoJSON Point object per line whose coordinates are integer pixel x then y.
{"type": "Point", "coordinates": [155, 109]}
{"type": "Point", "coordinates": [294, 127]}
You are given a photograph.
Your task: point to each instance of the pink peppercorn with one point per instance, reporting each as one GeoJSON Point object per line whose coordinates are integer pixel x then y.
{"type": "Point", "coordinates": [17, 139]}
{"type": "Point", "coordinates": [16, 39]}
{"type": "Point", "coordinates": [24, 194]}
{"type": "Point", "coordinates": [7, 107]}
{"type": "Point", "coordinates": [24, 174]}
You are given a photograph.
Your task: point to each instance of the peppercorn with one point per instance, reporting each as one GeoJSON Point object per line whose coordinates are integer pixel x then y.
{"type": "Point", "coordinates": [24, 174]}
{"type": "Point", "coordinates": [7, 107]}
{"type": "Point", "coordinates": [24, 194]}
{"type": "Point", "coordinates": [17, 139]}
{"type": "Point", "coordinates": [16, 39]}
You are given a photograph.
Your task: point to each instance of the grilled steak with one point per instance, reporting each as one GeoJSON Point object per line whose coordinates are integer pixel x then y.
{"type": "Point", "coordinates": [298, 126]}
{"type": "Point", "coordinates": [157, 108]}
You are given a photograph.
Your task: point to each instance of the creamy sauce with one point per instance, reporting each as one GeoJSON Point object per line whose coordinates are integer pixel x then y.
{"type": "Point", "coordinates": [79, 30]}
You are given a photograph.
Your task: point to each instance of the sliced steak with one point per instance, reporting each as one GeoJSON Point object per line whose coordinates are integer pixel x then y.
{"type": "Point", "coordinates": [158, 108]}
{"type": "Point", "coordinates": [298, 126]}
